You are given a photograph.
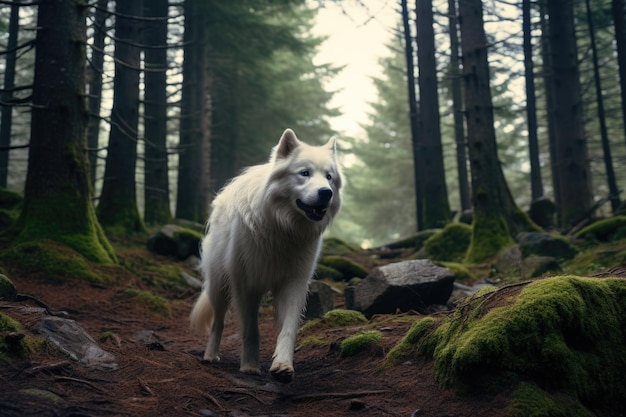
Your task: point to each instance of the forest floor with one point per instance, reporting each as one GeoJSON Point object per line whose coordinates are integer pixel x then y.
{"type": "Point", "coordinates": [161, 373]}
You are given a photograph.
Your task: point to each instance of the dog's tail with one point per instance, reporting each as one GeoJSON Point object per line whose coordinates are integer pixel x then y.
{"type": "Point", "coordinates": [201, 317]}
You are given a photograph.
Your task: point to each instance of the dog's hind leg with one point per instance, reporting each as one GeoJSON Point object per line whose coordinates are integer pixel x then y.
{"type": "Point", "coordinates": [289, 303]}
{"type": "Point", "coordinates": [248, 308]}
{"type": "Point", "coordinates": [219, 300]}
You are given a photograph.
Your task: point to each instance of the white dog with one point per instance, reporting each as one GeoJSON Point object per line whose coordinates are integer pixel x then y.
{"type": "Point", "coordinates": [264, 234]}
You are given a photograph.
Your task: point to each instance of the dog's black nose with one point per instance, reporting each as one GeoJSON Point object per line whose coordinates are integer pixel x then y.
{"type": "Point", "coordinates": [325, 194]}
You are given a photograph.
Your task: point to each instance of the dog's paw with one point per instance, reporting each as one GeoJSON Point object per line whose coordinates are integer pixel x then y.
{"type": "Point", "coordinates": [250, 370]}
{"type": "Point", "coordinates": [282, 372]}
{"type": "Point", "coordinates": [210, 358]}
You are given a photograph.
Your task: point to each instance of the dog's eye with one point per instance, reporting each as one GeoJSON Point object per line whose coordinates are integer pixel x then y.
{"type": "Point", "coordinates": [329, 177]}
{"type": "Point", "coordinates": [304, 173]}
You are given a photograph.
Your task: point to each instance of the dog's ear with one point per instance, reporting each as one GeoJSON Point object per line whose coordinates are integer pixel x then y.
{"type": "Point", "coordinates": [332, 144]}
{"type": "Point", "coordinates": [287, 143]}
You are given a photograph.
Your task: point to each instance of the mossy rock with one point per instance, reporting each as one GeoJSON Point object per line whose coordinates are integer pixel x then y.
{"type": "Point", "coordinates": [7, 288]}
{"type": "Point", "coordinates": [154, 303]}
{"type": "Point", "coordinates": [606, 230]}
{"type": "Point", "coordinates": [49, 261]}
{"type": "Point", "coordinates": [450, 244]}
{"type": "Point", "coordinates": [9, 200]}
{"type": "Point", "coordinates": [566, 334]}
{"type": "Point", "coordinates": [409, 347]}
{"type": "Point", "coordinates": [347, 267]}
{"type": "Point", "coordinates": [336, 318]}
{"type": "Point", "coordinates": [335, 246]}
{"type": "Point", "coordinates": [323, 271]}
{"type": "Point", "coordinates": [359, 342]}
{"type": "Point", "coordinates": [14, 341]}
{"type": "Point", "coordinates": [530, 400]}
{"type": "Point", "coordinates": [416, 241]}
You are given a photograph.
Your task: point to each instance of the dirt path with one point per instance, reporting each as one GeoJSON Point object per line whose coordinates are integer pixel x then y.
{"type": "Point", "coordinates": [160, 371]}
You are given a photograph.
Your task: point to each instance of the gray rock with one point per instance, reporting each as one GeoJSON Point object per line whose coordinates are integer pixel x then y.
{"type": "Point", "coordinates": [509, 262]}
{"type": "Point", "coordinates": [403, 286]}
{"type": "Point", "coordinates": [535, 265]}
{"type": "Point", "coordinates": [320, 300]}
{"type": "Point", "coordinates": [70, 338]}
{"type": "Point", "coordinates": [175, 242]}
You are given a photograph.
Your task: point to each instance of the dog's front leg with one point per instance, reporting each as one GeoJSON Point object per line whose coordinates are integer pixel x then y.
{"type": "Point", "coordinates": [249, 319]}
{"type": "Point", "coordinates": [288, 305]}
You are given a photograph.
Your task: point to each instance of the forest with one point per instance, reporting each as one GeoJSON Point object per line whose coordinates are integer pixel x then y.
{"type": "Point", "coordinates": [496, 125]}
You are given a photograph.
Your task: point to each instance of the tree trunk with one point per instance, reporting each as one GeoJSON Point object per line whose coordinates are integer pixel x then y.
{"type": "Point", "coordinates": [604, 136]}
{"type": "Point", "coordinates": [156, 188]}
{"type": "Point", "coordinates": [413, 115]}
{"type": "Point", "coordinates": [57, 196]}
{"type": "Point", "coordinates": [193, 169]}
{"type": "Point", "coordinates": [457, 108]}
{"type": "Point", "coordinates": [436, 211]}
{"type": "Point", "coordinates": [95, 86]}
{"type": "Point", "coordinates": [572, 161]}
{"type": "Point", "coordinates": [536, 183]}
{"type": "Point", "coordinates": [496, 217]}
{"type": "Point", "coordinates": [619, 20]}
{"type": "Point", "coordinates": [117, 210]}
{"type": "Point", "coordinates": [6, 117]}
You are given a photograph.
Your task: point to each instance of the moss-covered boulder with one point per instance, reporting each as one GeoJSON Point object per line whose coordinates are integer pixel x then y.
{"type": "Point", "coordinates": [335, 246]}
{"type": "Point", "coordinates": [15, 342]}
{"type": "Point", "coordinates": [605, 230]}
{"type": "Point", "coordinates": [565, 335]}
{"type": "Point", "coordinates": [7, 288]}
{"type": "Point", "coordinates": [545, 244]}
{"type": "Point", "coordinates": [10, 203]}
{"type": "Point", "coordinates": [348, 268]}
{"type": "Point", "coordinates": [175, 242]}
{"type": "Point", "coordinates": [359, 342]}
{"type": "Point", "coordinates": [450, 244]}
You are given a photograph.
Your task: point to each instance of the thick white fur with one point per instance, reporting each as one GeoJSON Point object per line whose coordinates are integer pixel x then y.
{"type": "Point", "coordinates": [260, 240]}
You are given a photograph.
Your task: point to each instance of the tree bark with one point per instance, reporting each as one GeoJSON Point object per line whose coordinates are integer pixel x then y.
{"type": "Point", "coordinates": [156, 188]}
{"type": "Point", "coordinates": [496, 216]}
{"type": "Point", "coordinates": [117, 210]}
{"type": "Point", "coordinates": [6, 117]}
{"type": "Point", "coordinates": [413, 116]}
{"type": "Point", "coordinates": [572, 161]}
{"type": "Point", "coordinates": [436, 211]}
{"type": "Point", "coordinates": [95, 87]}
{"type": "Point", "coordinates": [619, 20]}
{"type": "Point", "coordinates": [536, 182]}
{"type": "Point", "coordinates": [457, 109]}
{"type": "Point", "coordinates": [57, 196]}
{"type": "Point", "coordinates": [194, 151]}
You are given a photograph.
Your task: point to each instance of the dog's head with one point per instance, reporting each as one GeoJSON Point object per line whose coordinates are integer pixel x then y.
{"type": "Point", "coordinates": [310, 177]}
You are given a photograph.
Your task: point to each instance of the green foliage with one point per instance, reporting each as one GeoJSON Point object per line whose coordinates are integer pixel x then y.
{"type": "Point", "coordinates": [7, 288]}
{"type": "Point", "coordinates": [13, 341]}
{"type": "Point", "coordinates": [409, 346]}
{"type": "Point", "coordinates": [564, 333]}
{"type": "Point", "coordinates": [357, 343]}
{"type": "Point", "coordinates": [529, 400]}
{"type": "Point", "coordinates": [336, 318]}
{"type": "Point", "coordinates": [450, 244]}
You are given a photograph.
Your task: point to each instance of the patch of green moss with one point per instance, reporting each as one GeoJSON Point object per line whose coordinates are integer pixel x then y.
{"type": "Point", "coordinates": [41, 394]}
{"type": "Point", "coordinates": [10, 206]}
{"type": "Point", "coordinates": [529, 400]}
{"type": "Point", "coordinates": [564, 333]}
{"type": "Point", "coordinates": [314, 341]}
{"type": "Point", "coordinates": [7, 288]}
{"type": "Point", "coordinates": [450, 244]}
{"type": "Point", "coordinates": [596, 259]}
{"type": "Point", "coordinates": [410, 345]}
{"type": "Point", "coordinates": [490, 234]}
{"type": "Point", "coordinates": [613, 228]}
{"type": "Point", "coordinates": [13, 342]}
{"type": "Point", "coordinates": [460, 271]}
{"type": "Point", "coordinates": [336, 318]}
{"type": "Point", "coordinates": [49, 261]}
{"type": "Point", "coordinates": [335, 246]}
{"type": "Point", "coordinates": [357, 343]}
{"type": "Point", "coordinates": [162, 276]}
{"type": "Point", "coordinates": [348, 268]}
{"type": "Point", "coordinates": [155, 303]}
{"type": "Point", "coordinates": [324, 271]}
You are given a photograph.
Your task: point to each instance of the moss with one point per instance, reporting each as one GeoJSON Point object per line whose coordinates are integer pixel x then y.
{"type": "Point", "coordinates": [564, 333]}
{"type": "Point", "coordinates": [359, 342]}
{"type": "Point", "coordinates": [460, 271]}
{"type": "Point", "coordinates": [167, 277]}
{"type": "Point", "coordinates": [314, 341]}
{"type": "Point", "coordinates": [335, 246]}
{"type": "Point", "coordinates": [13, 341]}
{"type": "Point", "coordinates": [529, 400]}
{"type": "Point", "coordinates": [49, 261]}
{"type": "Point", "coordinates": [344, 265]}
{"type": "Point", "coordinates": [450, 244]}
{"type": "Point", "coordinates": [336, 318]}
{"type": "Point", "coordinates": [9, 199]}
{"type": "Point", "coordinates": [7, 288]}
{"type": "Point", "coordinates": [64, 217]}
{"type": "Point", "coordinates": [490, 234]}
{"type": "Point", "coordinates": [324, 271]}
{"type": "Point", "coordinates": [409, 346]}
{"type": "Point", "coordinates": [155, 303]}
{"type": "Point", "coordinates": [42, 395]}
{"type": "Point", "coordinates": [606, 230]}
{"type": "Point", "coordinates": [596, 259]}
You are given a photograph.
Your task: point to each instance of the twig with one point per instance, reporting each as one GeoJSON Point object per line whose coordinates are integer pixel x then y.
{"type": "Point", "coordinates": [46, 367]}
{"type": "Point", "coordinates": [330, 395]}
{"type": "Point", "coordinates": [211, 399]}
{"type": "Point", "coordinates": [81, 381]}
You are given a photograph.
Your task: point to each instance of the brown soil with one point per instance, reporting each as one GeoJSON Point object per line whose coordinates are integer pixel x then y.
{"type": "Point", "coordinates": [166, 377]}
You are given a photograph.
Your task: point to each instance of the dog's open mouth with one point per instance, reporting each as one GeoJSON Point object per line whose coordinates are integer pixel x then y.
{"type": "Point", "coordinates": [315, 213]}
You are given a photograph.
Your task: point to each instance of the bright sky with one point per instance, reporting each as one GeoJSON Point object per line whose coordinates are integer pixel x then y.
{"type": "Point", "coordinates": [357, 33]}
